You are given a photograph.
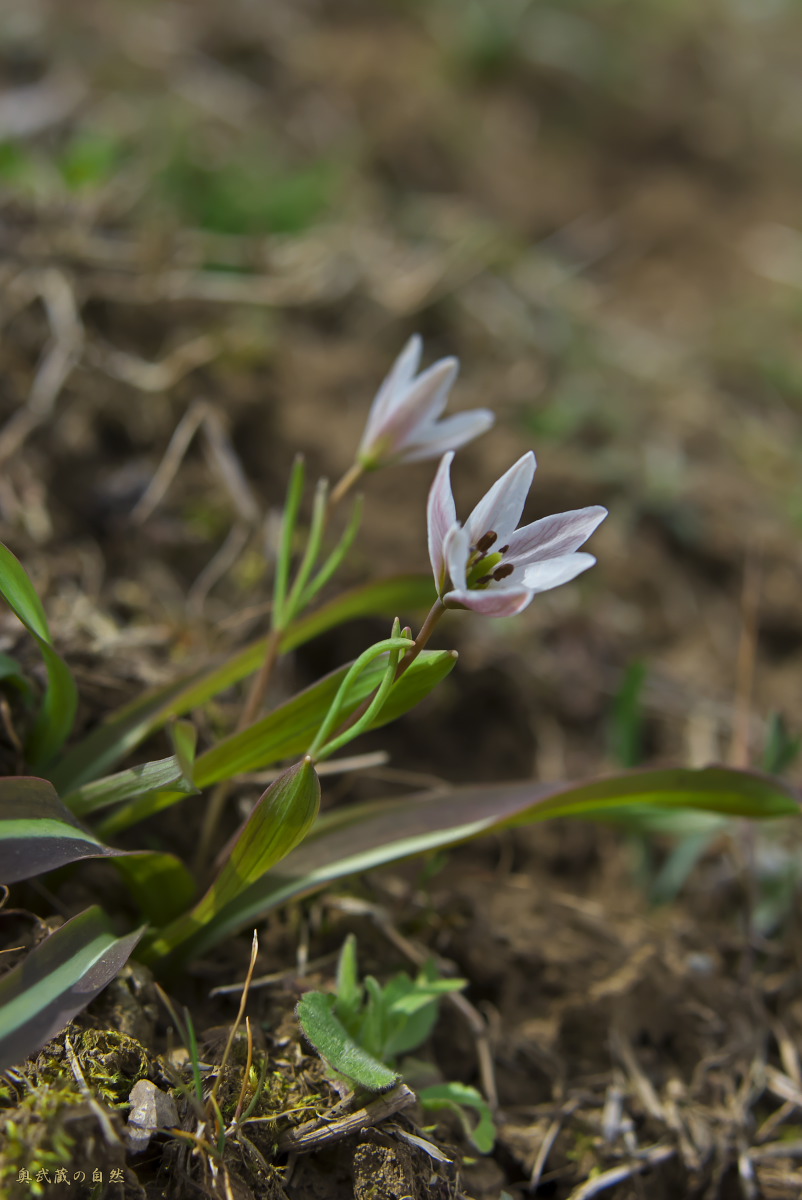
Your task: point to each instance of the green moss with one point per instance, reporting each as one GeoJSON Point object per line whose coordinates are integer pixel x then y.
{"type": "Point", "coordinates": [33, 1139]}
{"type": "Point", "coordinates": [36, 1101]}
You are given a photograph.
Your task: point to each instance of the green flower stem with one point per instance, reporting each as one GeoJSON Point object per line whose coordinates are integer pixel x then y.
{"type": "Point", "coordinates": [310, 557]}
{"type": "Point", "coordinates": [285, 606]}
{"type": "Point", "coordinates": [376, 703]}
{"type": "Point", "coordinates": [330, 723]}
{"type": "Point", "coordinates": [291, 508]}
{"type": "Point", "coordinates": [426, 630]}
{"type": "Point", "coordinates": [336, 557]}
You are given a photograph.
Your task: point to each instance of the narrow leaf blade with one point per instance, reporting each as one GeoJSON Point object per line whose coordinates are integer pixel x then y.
{"type": "Point", "coordinates": [37, 832]}
{"type": "Point", "coordinates": [56, 980]}
{"type": "Point", "coordinates": [369, 835]}
{"type": "Point", "coordinates": [106, 746]}
{"type": "Point", "coordinates": [130, 785]}
{"type": "Point", "coordinates": [59, 703]}
{"type": "Point", "coordinates": [278, 823]}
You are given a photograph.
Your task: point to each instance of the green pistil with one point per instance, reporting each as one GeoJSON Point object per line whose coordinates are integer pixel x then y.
{"type": "Point", "coordinates": [481, 568]}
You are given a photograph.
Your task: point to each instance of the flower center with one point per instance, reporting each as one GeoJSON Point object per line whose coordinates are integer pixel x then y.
{"type": "Point", "coordinates": [483, 568]}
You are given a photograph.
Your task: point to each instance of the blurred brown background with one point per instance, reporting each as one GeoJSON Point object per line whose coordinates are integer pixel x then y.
{"type": "Point", "coordinates": [595, 205]}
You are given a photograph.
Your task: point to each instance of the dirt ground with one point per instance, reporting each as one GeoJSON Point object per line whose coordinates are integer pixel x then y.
{"type": "Point", "coordinates": [237, 214]}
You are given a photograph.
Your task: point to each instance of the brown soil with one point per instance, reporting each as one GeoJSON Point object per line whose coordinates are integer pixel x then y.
{"type": "Point", "coordinates": [593, 210]}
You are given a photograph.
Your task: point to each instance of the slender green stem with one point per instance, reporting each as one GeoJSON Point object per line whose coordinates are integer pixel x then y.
{"type": "Point", "coordinates": [374, 707]}
{"type": "Point", "coordinates": [291, 508]}
{"type": "Point", "coordinates": [334, 559]}
{"type": "Point", "coordinates": [355, 670]}
{"type": "Point", "coordinates": [426, 630]}
{"type": "Point", "coordinates": [283, 605]}
{"type": "Point", "coordinates": [310, 556]}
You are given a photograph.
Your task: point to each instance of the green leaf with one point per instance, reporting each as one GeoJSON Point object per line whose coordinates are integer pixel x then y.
{"type": "Point", "coordinates": [107, 745]}
{"type": "Point", "coordinates": [349, 990]}
{"type": "Point", "coordinates": [364, 836]}
{"type": "Point", "coordinates": [160, 883]}
{"type": "Point", "coordinates": [37, 833]}
{"type": "Point", "coordinates": [782, 748]}
{"type": "Point", "coordinates": [315, 1012]}
{"type": "Point", "coordinates": [288, 730]}
{"type": "Point", "coordinates": [11, 675]}
{"type": "Point", "coordinates": [280, 820]}
{"type": "Point", "coordinates": [626, 717]}
{"type": "Point", "coordinates": [456, 1097]}
{"type": "Point", "coordinates": [57, 713]}
{"type": "Point", "coordinates": [292, 505]}
{"type": "Point", "coordinates": [132, 784]}
{"type": "Point", "coordinates": [56, 980]}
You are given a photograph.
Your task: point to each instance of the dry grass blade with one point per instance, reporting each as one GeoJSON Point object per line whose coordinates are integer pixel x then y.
{"type": "Point", "coordinates": [59, 360]}
{"type": "Point", "coordinates": [313, 1135]}
{"type": "Point", "coordinates": [109, 1132]}
{"type": "Point", "coordinates": [547, 1144]}
{"type": "Point", "coordinates": [238, 1021]}
{"type": "Point", "coordinates": [153, 377]}
{"type": "Point", "coordinates": [607, 1179]}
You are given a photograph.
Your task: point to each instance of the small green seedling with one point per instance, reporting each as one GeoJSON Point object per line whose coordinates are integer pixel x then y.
{"type": "Point", "coordinates": [363, 1028]}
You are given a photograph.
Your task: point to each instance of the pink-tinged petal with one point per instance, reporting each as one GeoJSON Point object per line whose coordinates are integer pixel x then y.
{"type": "Point", "coordinates": [393, 388]}
{"type": "Point", "coordinates": [541, 576]}
{"type": "Point", "coordinates": [422, 402]}
{"type": "Point", "coordinates": [440, 516]}
{"type": "Point", "coordinates": [448, 434]}
{"type": "Point", "coordinates": [493, 602]}
{"type": "Point", "coordinates": [456, 550]}
{"type": "Point", "coordinates": [500, 510]}
{"type": "Point", "coordinates": [551, 537]}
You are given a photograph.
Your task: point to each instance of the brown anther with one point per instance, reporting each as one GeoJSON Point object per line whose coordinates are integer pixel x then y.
{"type": "Point", "coordinates": [486, 541]}
{"type": "Point", "coordinates": [503, 571]}
{"type": "Point", "coordinates": [502, 549]}
{"type": "Point", "coordinates": [483, 579]}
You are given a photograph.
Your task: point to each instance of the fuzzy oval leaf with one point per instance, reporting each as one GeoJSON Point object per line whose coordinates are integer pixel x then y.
{"type": "Point", "coordinates": [57, 713]}
{"type": "Point", "coordinates": [315, 1012]}
{"type": "Point", "coordinates": [37, 832]}
{"type": "Point", "coordinates": [56, 980]}
{"type": "Point", "coordinates": [107, 745]}
{"type": "Point", "coordinates": [364, 836]}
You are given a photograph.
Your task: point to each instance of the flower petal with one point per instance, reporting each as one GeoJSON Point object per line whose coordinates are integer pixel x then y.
{"type": "Point", "coordinates": [500, 510]}
{"type": "Point", "coordinates": [448, 434]}
{"type": "Point", "coordinates": [541, 576]}
{"type": "Point", "coordinates": [456, 550]}
{"type": "Point", "coordinates": [421, 403]}
{"type": "Point", "coordinates": [493, 602]}
{"type": "Point", "coordinates": [554, 536]}
{"type": "Point", "coordinates": [392, 389]}
{"type": "Point", "coordinates": [440, 516]}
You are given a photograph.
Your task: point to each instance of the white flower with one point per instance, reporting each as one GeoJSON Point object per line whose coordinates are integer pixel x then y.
{"type": "Point", "coordinates": [488, 564]}
{"type": "Point", "coordinates": [403, 424]}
